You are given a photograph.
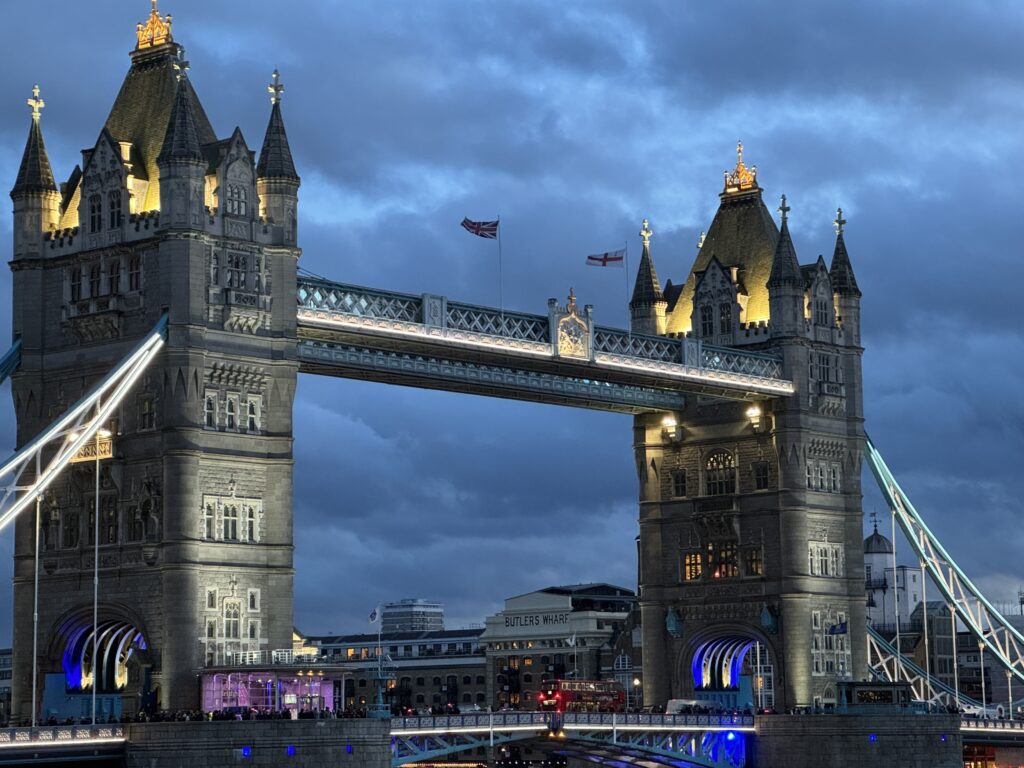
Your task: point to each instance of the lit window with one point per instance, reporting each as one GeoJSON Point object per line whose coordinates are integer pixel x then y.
{"type": "Point", "coordinates": [722, 560]}
{"type": "Point", "coordinates": [679, 482]}
{"type": "Point", "coordinates": [754, 562]}
{"type": "Point", "coordinates": [707, 321]}
{"type": "Point", "coordinates": [720, 474]}
{"type": "Point", "coordinates": [114, 209]}
{"type": "Point", "coordinates": [691, 566]}
{"type": "Point", "coordinates": [95, 213]}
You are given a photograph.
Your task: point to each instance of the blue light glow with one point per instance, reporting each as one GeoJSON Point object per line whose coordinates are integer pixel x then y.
{"type": "Point", "coordinates": [348, 748]}
{"type": "Point", "coordinates": [730, 736]}
{"type": "Point", "coordinates": [246, 751]}
{"type": "Point", "coordinates": [872, 737]}
{"type": "Point", "coordinates": [291, 750]}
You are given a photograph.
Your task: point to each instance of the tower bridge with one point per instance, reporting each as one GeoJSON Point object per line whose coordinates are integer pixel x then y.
{"type": "Point", "coordinates": [743, 381]}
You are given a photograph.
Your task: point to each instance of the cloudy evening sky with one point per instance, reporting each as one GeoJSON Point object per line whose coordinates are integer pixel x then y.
{"type": "Point", "coordinates": [574, 121]}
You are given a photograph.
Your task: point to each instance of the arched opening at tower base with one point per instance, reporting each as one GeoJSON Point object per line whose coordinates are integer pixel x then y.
{"type": "Point", "coordinates": [731, 669]}
{"type": "Point", "coordinates": [111, 656]}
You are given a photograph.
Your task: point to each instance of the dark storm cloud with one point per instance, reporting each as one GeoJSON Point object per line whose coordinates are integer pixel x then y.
{"type": "Point", "coordinates": [574, 121]}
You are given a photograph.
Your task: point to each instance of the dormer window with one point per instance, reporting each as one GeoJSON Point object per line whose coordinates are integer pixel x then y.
{"type": "Point", "coordinates": [238, 200]}
{"type": "Point", "coordinates": [822, 316]}
{"type": "Point", "coordinates": [725, 318]}
{"type": "Point", "coordinates": [707, 321]}
{"type": "Point", "coordinates": [114, 209]}
{"type": "Point", "coordinates": [95, 213]}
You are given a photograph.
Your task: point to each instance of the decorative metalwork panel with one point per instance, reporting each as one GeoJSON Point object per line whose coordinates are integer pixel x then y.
{"type": "Point", "coordinates": [363, 302]}
{"type": "Point", "coordinates": [747, 363]}
{"type": "Point", "coordinates": [489, 321]}
{"type": "Point", "coordinates": [637, 345]}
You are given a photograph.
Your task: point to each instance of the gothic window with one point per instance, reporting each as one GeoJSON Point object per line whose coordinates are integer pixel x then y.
{"type": "Point", "coordinates": [231, 523]}
{"type": "Point", "coordinates": [135, 524]}
{"type": "Point", "coordinates": [834, 478]}
{"type": "Point", "coordinates": [208, 522]}
{"type": "Point", "coordinates": [232, 412]}
{"type": "Point", "coordinates": [761, 476]}
{"type": "Point", "coordinates": [815, 619]}
{"type": "Point", "coordinates": [94, 281]}
{"type": "Point", "coordinates": [210, 412]}
{"type": "Point", "coordinates": [113, 277]}
{"type": "Point", "coordinates": [147, 413]}
{"type": "Point", "coordinates": [720, 474]}
{"type": "Point", "coordinates": [76, 283]}
{"type": "Point", "coordinates": [254, 599]}
{"type": "Point", "coordinates": [211, 629]}
{"type": "Point", "coordinates": [238, 200]}
{"type": "Point", "coordinates": [211, 598]}
{"type": "Point", "coordinates": [691, 566]}
{"type": "Point", "coordinates": [70, 538]}
{"type": "Point", "coordinates": [722, 560]}
{"type": "Point", "coordinates": [250, 524]}
{"type": "Point", "coordinates": [114, 208]}
{"type": "Point", "coordinates": [754, 562]}
{"type": "Point", "coordinates": [253, 630]}
{"type": "Point", "coordinates": [134, 273]}
{"type": "Point", "coordinates": [91, 532]}
{"type": "Point", "coordinates": [679, 482]}
{"type": "Point", "coordinates": [821, 313]}
{"type": "Point", "coordinates": [821, 478]}
{"type": "Point", "coordinates": [95, 213]}
{"type": "Point", "coordinates": [252, 416]}
{"type": "Point", "coordinates": [109, 520]}
{"type": "Point", "coordinates": [232, 612]}
{"type": "Point", "coordinates": [810, 474]}
{"type": "Point", "coordinates": [725, 318]}
{"type": "Point", "coordinates": [707, 321]}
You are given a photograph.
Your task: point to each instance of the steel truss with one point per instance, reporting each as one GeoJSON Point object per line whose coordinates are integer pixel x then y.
{"type": "Point", "coordinates": [708, 749]}
{"type": "Point", "coordinates": [993, 631]}
{"type": "Point", "coordinates": [886, 664]}
{"type": "Point", "coordinates": [31, 470]}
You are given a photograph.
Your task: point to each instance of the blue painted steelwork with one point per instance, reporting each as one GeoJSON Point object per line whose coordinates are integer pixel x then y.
{"type": "Point", "coordinates": [914, 671]}
{"type": "Point", "coordinates": [10, 361]}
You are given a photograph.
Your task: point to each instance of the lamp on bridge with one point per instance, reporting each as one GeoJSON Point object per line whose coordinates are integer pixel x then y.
{"type": "Point", "coordinates": [757, 420]}
{"type": "Point", "coordinates": [670, 429]}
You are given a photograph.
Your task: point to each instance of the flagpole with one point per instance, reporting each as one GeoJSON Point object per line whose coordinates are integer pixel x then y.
{"type": "Point", "coordinates": [629, 317]}
{"type": "Point", "coordinates": [501, 291]}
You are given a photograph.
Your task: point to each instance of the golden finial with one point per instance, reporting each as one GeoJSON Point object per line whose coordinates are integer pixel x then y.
{"type": "Point", "coordinates": [839, 222]}
{"type": "Point", "coordinates": [784, 209]}
{"type": "Point", "coordinates": [275, 89]}
{"type": "Point", "coordinates": [156, 30]}
{"type": "Point", "coordinates": [645, 233]}
{"type": "Point", "coordinates": [742, 178]}
{"type": "Point", "coordinates": [35, 102]}
{"type": "Point", "coordinates": [181, 66]}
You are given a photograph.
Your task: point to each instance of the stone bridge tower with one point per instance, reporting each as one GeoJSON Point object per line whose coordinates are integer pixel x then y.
{"type": "Point", "coordinates": [750, 513]}
{"type": "Point", "coordinates": [195, 522]}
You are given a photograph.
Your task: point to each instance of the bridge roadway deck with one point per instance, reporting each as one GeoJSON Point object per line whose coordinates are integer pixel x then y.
{"type": "Point", "coordinates": [429, 341]}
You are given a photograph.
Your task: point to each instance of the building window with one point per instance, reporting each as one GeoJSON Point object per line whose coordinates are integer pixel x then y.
{"type": "Point", "coordinates": [815, 619]}
{"type": "Point", "coordinates": [114, 209]}
{"type": "Point", "coordinates": [134, 273]}
{"type": "Point", "coordinates": [94, 280]}
{"type": "Point", "coordinates": [252, 416]}
{"type": "Point", "coordinates": [208, 518]}
{"type": "Point", "coordinates": [834, 477]}
{"type": "Point", "coordinates": [725, 318]}
{"type": "Point", "coordinates": [253, 630]}
{"type": "Point", "coordinates": [707, 321]}
{"type": "Point", "coordinates": [826, 559]}
{"type": "Point", "coordinates": [231, 523]}
{"type": "Point", "coordinates": [76, 283]}
{"type": "Point", "coordinates": [113, 277]}
{"type": "Point", "coordinates": [821, 313]}
{"type": "Point", "coordinates": [211, 629]}
{"type": "Point", "coordinates": [810, 475]}
{"type": "Point", "coordinates": [238, 200]}
{"type": "Point", "coordinates": [147, 413]}
{"type": "Point", "coordinates": [232, 614]}
{"type": "Point", "coordinates": [110, 521]}
{"type": "Point", "coordinates": [232, 412]}
{"type": "Point", "coordinates": [211, 599]}
{"type": "Point", "coordinates": [210, 412]}
{"type": "Point", "coordinates": [754, 562]}
{"type": "Point", "coordinates": [679, 483]}
{"type": "Point", "coordinates": [692, 566]}
{"type": "Point", "coordinates": [761, 475]}
{"type": "Point", "coordinates": [722, 560]}
{"type": "Point", "coordinates": [95, 213]}
{"type": "Point", "coordinates": [250, 524]}
{"type": "Point", "coordinates": [720, 474]}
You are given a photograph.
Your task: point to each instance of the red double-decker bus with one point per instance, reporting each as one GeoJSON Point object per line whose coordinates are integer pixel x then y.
{"type": "Point", "coordinates": [582, 696]}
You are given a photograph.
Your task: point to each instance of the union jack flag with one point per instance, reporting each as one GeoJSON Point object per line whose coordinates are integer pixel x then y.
{"type": "Point", "coordinates": [487, 229]}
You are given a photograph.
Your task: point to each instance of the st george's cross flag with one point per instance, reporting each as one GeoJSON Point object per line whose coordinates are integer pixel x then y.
{"type": "Point", "coordinates": [610, 259]}
{"type": "Point", "coordinates": [487, 229]}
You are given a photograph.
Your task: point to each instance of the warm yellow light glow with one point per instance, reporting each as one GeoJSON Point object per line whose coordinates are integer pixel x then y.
{"type": "Point", "coordinates": [754, 412]}
{"type": "Point", "coordinates": [156, 30]}
{"type": "Point", "coordinates": [669, 422]}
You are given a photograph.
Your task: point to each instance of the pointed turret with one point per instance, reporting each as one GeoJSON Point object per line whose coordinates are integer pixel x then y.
{"type": "Point", "coordinates": [181, 164]}
{"type": "Point", "coordinates": [786, 283]}
{"type": "Point", "coordinates": [181, 140]}
{"type": "Point", "coordinates": [35, 195]}
{"type": "Point", "coordinates": [647, 307]}
{"type": "Point", "coordinates": [277, 183]}
{"type": "Point", "coordinates": [843, 281]}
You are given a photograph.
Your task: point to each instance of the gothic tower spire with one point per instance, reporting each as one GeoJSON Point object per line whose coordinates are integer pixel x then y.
{"type": "Point", "coordinates": [35, 195]}
{"type": "Point", "coordinates": [647, 307]}
{"type": "Point", "coordinates": [841, 272]}
{"type": "Point", "coordinates": [34, 174]}
{"type": "Point", "coordinates": [277, 183]}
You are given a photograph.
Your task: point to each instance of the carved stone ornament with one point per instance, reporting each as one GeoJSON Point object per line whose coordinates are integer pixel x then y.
{"type": "Point", "coordinates": [573, 332]}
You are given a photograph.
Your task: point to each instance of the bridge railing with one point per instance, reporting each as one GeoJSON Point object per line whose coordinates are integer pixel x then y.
{"type": "Point", "coordinates": [655, 722]}
{"type": "Point", "coordinates": [498, 720]}
{"type": "Point", "coordinates": [60, 735]}
{"type": "Point", "coordinates": [975, 724]}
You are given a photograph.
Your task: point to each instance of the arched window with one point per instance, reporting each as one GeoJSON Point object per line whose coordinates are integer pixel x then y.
{"type": "Point", "coordinates": [725, 318]}
{"type": "Point", "coordinates": [720, 474]}
{"type": "Point", "coordinates": [250, 525]}
{"type": "Point", "coordinates": [231, 619]}
{"type": "Point", "coordinates": [94, 281]}
{"type": "Point", "coordinates": [252, 421]}
{"type": "Point", "coordinates": [114, 209]}
{"type": "Point", "coordinates": [208, 518]}
{"type": "Point", "coordinates": [238, 200]}
{"type": "Point", "coordinates": [467, 680]}
{"type": "Point", "coordinates": [232, 414]}
{"type": "Point", "coordinates": [210, 413]}
{"type": "Point", "coordinates": [253, 605]}
{"type": "Point", "coordinates": [95, 213]}
{"type": "Point", "coordinates": [70, 539]}
{"type": "Point", "coordinates": [134, 273]}
{"type": "Point", "coordinates": [76, 283]}
{"type": "Point", "coordinates": [622, 662]}
{"type": "Point", "coordinates": [113, 277]}
{"type": "Point", "coordinates": [707, 321]}
{"type": "Point", "coordinates": [252, 630]}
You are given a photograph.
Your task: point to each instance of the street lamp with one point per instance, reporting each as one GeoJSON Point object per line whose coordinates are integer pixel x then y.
{"type": "Point", "coordinates": [101, 448]}
{"type": "Point", "coordinates": [636, 693]}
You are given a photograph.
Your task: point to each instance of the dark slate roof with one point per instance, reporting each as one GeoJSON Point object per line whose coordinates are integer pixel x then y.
{"type": "Point", "coordinates": [35, 173]}
{"type": "Point", "coordinates": [877, 544]}
{"type": "Point", "coordinates": [841, 272]}
{"type": "Point", "coordinates": [785, 267]}
{"type": "Point", "coordinates": [646, 289]}
{"type": "Point", "coordinates": [276, 155]}
{"type": "Point", "coordinates": [181, 139]}
{"type": "Point", "coordinates": [142, 111]}
{"type": "Point", "coordinates": [743, 234]}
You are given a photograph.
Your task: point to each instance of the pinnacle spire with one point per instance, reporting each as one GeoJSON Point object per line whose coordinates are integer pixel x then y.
{"type": "Point", "coordinates": [34, 173]}
{"type": "Point", "coordinates": [646, 289]}
{"type": "Point", "coordinates": [181, 142]}
{"type": "Point", "coordinates": [276, 155]}
{"type": "Point", "coordinates": [785, 267]}
{"type": "Point", "coordinates": [841, 271]}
